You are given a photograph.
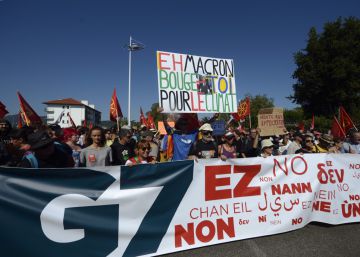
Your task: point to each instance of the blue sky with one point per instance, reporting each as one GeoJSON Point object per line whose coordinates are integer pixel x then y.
{"type": "Point", "coordinates": [53, 49]}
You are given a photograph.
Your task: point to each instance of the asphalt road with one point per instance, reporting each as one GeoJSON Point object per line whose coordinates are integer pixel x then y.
{"type": "Point", "coordinates": [315, 239]}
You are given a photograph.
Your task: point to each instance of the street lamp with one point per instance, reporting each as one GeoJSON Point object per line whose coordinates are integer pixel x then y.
{"type": "Point", "coordinates": [133, 46]}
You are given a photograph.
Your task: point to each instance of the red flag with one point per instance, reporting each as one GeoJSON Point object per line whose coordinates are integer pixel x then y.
{"type": "Point", "coordinates": [142, 118]}
{"type": "Point", "coordinates": [3, 110]}
{"type": "Point", "coordinates": [115, 110]}
{"type": "Point", "coordinates": [337, 130]}
{"type": "Point", "coordinates": [71, 120]}
{"type": "Point", "coordinates": [150, 121]}
{"type": "Point", "coordinates": [345, 121]}
{"type": "Point", "coordinates": [29, 115]}
{"type": "Point", "coordinates": [85, 124]}
{"type": "Point", "coordinates": [312, 125]}
{"type": "Point", "coordinates": [91, 125]}
{"type": "Point", "coordinates": [19, 122]}
{"type": "Point", "coordinates": [243, 110]}
{"type": "Point", "coordinates": [301, 126]}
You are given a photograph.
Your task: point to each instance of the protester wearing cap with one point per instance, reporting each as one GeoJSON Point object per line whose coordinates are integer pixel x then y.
{"type": "Point", "coordinates": [266, 148]}
{"type": "Point", "coordinates": [325, 142]}
{"type": "Point", "coordinates": [227, 150]}
{"type": "Point", "coordinates": [44, 153]}
{"type": "Point", "coordinates": [204, 148]}
{"type": "Point", "coordinates": [296, 144]}
{"type": "Point", "coordinates": [120, 148]}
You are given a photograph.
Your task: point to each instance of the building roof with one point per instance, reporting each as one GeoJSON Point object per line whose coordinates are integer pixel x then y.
{"type": "Point", "coordinates": [69, 101]}
{"type": "Point", "coordinates": [66, 101]}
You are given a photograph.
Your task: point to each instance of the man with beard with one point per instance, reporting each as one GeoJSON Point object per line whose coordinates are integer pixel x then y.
{"type": "Point", "coordinates": [204, 148]}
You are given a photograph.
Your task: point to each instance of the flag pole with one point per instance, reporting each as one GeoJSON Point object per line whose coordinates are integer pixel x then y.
{"type": "Point", "coordinates": [129, 99]}
{"type": "Point", "coordinates": [250, 120]}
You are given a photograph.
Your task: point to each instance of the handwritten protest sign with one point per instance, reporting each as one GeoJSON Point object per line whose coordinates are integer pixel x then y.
{"type": "Point", "coordinates": [189, 83]}
{"type": "Point", "coordinates": [271, 121]}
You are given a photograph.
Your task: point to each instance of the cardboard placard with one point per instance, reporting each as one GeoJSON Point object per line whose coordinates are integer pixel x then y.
{"type": "Point", "coordinates": [271, 121]}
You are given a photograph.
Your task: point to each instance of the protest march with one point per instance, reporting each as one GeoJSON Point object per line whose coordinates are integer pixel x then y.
{"type": "Point", "coordinates": [214, 154]}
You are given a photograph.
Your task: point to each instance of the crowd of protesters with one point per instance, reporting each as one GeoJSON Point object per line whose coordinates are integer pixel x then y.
{"type": "Point", "coordinates": [55, 147]}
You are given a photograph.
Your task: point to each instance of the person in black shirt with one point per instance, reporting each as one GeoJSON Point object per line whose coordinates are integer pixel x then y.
{"type": "Point", "coordinates": [120, 148]}
{"type": "Point", "coordinates": [205, 148]}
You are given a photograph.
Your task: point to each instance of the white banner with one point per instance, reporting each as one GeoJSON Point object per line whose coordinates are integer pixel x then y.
{"type": "Point", "coordinates": [148, 210]}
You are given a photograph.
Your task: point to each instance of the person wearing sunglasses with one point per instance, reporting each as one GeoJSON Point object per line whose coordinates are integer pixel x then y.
{"type": "Point", "coordinates": [308, 145]}
{"type": "Point", "coordinates": [267, 148]}
{"type": "Point", "coordinates": [228, 149]}
{"type": "Point", "coordinates": [204, 148]}
{"type": "Point", "coordinates": [143, 148]}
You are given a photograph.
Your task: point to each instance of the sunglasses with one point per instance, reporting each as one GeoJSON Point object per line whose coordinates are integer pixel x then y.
{"type": "Point", "coordinates": [146, 149]}
{"type": "Point", "coordinates": [206, 133]}
{"type": "Point", "coordinates": [308, 141]}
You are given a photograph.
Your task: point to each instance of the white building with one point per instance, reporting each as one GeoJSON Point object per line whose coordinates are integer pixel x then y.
{"type": "Point", "coordinates": [60, 111]}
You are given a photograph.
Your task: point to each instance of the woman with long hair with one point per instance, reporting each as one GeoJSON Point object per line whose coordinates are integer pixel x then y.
{"type": "Point", "coordinates": [97, 153]}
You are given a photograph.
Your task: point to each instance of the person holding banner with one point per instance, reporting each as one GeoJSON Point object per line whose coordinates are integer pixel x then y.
{"type": "Point", "coordinates": [97, 153]}
{"type": "Point", "coordinates": [267, 147]}
{"type": "Point", "coordinates": [204, 148]}
{"type": "Point", "coordinates": [142, 148]}
{"type": "Point", "coordinates": [227, 150]}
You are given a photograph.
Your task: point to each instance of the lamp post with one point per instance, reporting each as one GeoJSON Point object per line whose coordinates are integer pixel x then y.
{"type": "Point", "coordinates": [133, 46]}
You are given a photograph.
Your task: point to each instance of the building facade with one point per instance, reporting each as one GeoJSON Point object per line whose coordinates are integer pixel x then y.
{"type": "Point", "coordinates": [60, 111]}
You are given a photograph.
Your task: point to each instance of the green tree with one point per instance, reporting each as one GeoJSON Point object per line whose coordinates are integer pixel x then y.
{"type": "Point", "coordinates": [258, 102]}
{"type": "Point", "coordinates": [328, 69]}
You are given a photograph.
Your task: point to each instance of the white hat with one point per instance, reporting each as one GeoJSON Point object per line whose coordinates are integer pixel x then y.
{"type": "Point", "coordinates": [126, 127]}
{"type": "Point", "coordinates": [206, 127]}
{"type": "Point", "coordinates": [266, 143]}
{"type": "Point", "coordinates": [229, 134]}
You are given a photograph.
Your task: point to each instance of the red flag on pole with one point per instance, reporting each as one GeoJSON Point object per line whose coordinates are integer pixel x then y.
{"type": "Point", "coordinates": [142, 118]}
{"type": "Point", "coordinates": [73, 125]}
{"type": "Point", "coordinates": [85, 124]}
{"type": "Point", "coordinates": [345, 121]}
{"type": "Point", "coordinates": [243, 110]}
{"type": "Point", "coordinates": [150, 121]}
{"type": "Point", "coordinates": [29, 115]}
{"type": "Point", "coordinates": [19, 122]}
{"type": "Point", "coordinates": [115, 110]}
{"type": "Point", "coordinates": [337, 130]}
{"type": "Point", "coordinates": [301, 125]}
{"type": "Point", "coordinates": [3, 110]}
{"type": "Point", "coordinates": [312, 125]}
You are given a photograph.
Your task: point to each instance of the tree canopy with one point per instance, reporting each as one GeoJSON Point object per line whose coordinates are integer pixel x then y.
{"type": "Point", "coordinates": [328, 69]}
